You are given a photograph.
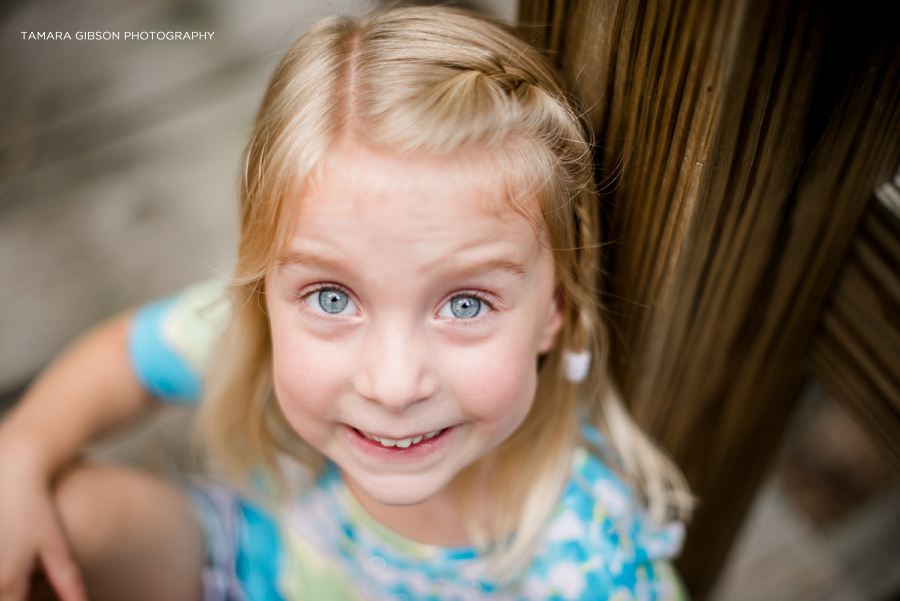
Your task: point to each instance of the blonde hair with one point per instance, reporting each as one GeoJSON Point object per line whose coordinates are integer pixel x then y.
{"type": "Point", "coordinates": [442, 82]}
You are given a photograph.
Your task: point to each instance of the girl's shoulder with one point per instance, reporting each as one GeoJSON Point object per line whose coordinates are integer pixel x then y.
{"type": "Point", "coordinates": [601, 500]}
{"type": "Point", "coordinates": [601, 540]}
{"type": "Point", "coordinates": [171, 341]}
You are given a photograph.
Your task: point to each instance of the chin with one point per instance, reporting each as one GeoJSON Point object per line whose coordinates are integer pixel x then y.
{"type": "Point", "coordinates": [399, 491]}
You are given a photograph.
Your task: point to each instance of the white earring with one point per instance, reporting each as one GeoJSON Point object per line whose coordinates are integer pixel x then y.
{"type": "Point", "coordinates": [577, 365]}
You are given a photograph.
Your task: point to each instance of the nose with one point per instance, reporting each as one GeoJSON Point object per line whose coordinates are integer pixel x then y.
{"type": "Point", "coordinates": [394, 371]}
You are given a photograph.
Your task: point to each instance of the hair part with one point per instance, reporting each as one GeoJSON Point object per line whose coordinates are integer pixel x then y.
{"type": "Point", "coordinates": [445, 83]}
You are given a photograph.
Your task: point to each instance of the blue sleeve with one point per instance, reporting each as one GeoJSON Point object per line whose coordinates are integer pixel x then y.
{"type": "Point", "coordinates": [170, 341]}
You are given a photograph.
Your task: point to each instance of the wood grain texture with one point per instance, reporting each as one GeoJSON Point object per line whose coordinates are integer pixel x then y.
{"type": "Point", "coordinates": [856, 352]}
{"type": "Point", "coordinates": [741, 140]}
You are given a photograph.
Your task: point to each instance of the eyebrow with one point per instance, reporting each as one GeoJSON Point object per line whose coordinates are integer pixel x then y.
{"type": "Point", "coordinates": [474, 269]}
{"type": "Point", "coordinates": [296, 257]}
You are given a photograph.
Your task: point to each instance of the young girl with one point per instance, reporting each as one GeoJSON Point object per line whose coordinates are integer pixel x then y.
{"type": "Point", "coordinates": [411, 385]}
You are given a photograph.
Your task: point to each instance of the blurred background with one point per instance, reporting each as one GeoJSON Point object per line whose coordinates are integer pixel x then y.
{"type": "Point", "coordinates": [118, 178]}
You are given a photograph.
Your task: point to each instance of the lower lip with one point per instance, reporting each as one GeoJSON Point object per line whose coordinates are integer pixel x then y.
{"type": "Point", "coordinates": [413, 451]}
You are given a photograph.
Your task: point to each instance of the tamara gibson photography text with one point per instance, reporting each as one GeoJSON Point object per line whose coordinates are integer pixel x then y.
{"type": "Point", "coordinates": [118, 35]}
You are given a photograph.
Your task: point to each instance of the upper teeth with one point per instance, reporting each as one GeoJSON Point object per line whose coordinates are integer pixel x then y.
{"type": "Point", "coordinates": [403, 442]}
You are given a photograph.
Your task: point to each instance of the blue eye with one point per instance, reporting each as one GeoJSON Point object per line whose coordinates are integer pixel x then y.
{"type": "Point", "coordinates": [331, 301]}
{"type": "Point", "coordinates": [464, 306]}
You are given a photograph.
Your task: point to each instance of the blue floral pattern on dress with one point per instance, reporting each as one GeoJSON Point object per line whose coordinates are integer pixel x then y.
{"type": "Point", "coordinates": [598, 546]}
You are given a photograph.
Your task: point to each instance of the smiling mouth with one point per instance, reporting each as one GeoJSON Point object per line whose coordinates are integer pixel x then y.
{"type": "Point", "coordinates": [402, 443]}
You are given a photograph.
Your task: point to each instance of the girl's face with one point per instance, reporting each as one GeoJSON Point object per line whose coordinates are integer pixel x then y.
{"type": "Point", "coordinates": [407, 316]}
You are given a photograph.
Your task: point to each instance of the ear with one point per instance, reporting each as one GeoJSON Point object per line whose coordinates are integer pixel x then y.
{"type": "Point", "coordinates": [552, 324]}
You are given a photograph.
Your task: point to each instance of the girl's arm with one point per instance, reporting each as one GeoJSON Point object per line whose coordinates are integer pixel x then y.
{"type": "Point", "coordinates": [90, 389]}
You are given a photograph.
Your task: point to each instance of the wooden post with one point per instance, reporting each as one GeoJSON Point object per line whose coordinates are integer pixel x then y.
{"type": "Point", "coordinates": [737, 143]}
{"type": "Point", "coordinates": [856, 351]}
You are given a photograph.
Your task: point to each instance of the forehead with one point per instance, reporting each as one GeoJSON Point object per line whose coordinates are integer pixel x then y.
{"type": "Point", "coordinates": [413, 211]}
{"type": "Point", "coordinates": [357, 179]}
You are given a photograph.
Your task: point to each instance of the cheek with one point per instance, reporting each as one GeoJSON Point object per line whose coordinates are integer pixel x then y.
{"type": "Point", "coordinates": [305, 384]}
{"type": "Point", "coordinates": [495, 385]}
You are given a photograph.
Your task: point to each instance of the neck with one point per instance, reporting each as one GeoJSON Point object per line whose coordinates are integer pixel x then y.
{"type": "Point", "coordinates": [440, 520]}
